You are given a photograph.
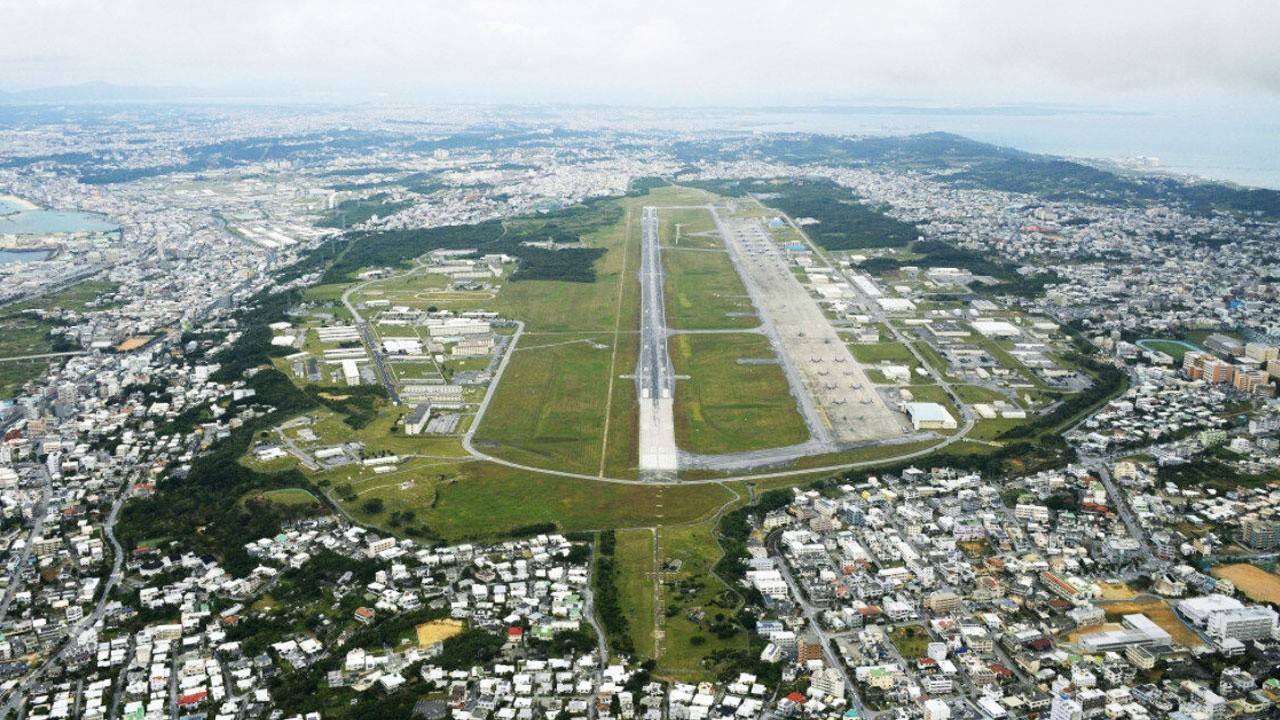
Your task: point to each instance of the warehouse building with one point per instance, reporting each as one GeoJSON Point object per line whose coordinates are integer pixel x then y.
{"type": "Point", "coordinates": [930, 416]}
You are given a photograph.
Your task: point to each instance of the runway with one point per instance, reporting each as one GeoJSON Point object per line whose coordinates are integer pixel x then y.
{"type": "Point", "coordinates": [655, 376]}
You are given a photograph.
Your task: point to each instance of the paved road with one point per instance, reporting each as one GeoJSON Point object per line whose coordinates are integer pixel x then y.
{"type": "Point", "coordinates": [1121, 502]}
{"type": "Point", "coordinates": [37, 525]}
{"type": "Point", "coordinates": [470, 434]}
{"type": "Point", "coordinates": [371, 340]}
{"type": "Point", "coordinates": [811, 616]}
{"type": "Point", "coordinates": [42, 356]}
{"type": "Point", "coordinates": [18, 694]}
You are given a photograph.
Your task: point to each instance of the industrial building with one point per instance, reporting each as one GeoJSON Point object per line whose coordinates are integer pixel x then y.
{"type": "Point", "coordinates": [930, 416]}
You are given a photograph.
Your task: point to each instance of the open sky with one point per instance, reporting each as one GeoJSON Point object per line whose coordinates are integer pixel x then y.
{"type": "Point", "coordinates": [1117, 53]}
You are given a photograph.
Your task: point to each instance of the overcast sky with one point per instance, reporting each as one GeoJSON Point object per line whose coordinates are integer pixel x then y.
{"type": "Point", "coordinates": [1118, 53]}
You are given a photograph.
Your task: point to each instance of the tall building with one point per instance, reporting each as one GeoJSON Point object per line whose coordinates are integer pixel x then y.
{"type": "Point", "coordinates": [807, 650]}
{"type": "Point", "coordinates": [1258, 351]}
{"type": "Point", "coordinates": [1261, 534]}
{"type": "Point", "coordinates": [1252, 381]}
{"type": "Point", "coordinates": [1244, 624]}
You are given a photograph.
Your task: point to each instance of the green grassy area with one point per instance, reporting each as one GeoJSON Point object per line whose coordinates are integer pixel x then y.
{"type": "Point", "coordinates": [697, 229]}
{"type": "Point", "coordinates": [932, 357]}
{"type": "Point", "coordinates": [75, 298]}
{"type": "Point", "coordinates": [978, 394]}
{"type": "Point", "coordinates": [728, 407]}
{"type": "Point", "coordinates": [698, 607]}
{"type": "Point", "coordinates": [910, 640]}
{"type": "Point", "coordinates": [876, 353]}
{"type": "Point", "coordinates": [634, 558]}
{"type": "Point", "coordinates": [22, 334]}
{"type": "Point", "coordinates": [486, 500]}
{"type": "Point", "coordinates": [703, 289]}
{"type": "Point", "coordinates": [13, 377]}
{"type": "Point", "coordinates": [622, 450]}
{"type": "Point", "coordinates": [992, 429]}
{"type": "Point", "coordinates": [1176, 350]}
{"type": "Point", "coordinates": [288, 497]}
{"type": "Point", "coordinates": [549, 409]}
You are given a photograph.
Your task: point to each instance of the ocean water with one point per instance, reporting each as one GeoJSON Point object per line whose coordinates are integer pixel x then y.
{"type": "Point", "coordinates": [1238, 148]}
{"type": "Point", "coordinates": [16, 220]}
{"type": "Point", "coordinates": [18, 256]}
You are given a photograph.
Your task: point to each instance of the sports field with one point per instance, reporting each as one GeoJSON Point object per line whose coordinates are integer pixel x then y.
{"type": "Point", "coordinates": [1256, 583]}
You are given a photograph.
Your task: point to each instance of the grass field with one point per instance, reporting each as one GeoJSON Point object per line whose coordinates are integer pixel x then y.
{"type": "Point", "coordinates": [634, 558]}
{"type": "Point", "coordinates": [485, 500]}
{"type": "Point", "coordinates": [728, 407]}
{"type": "Point", "coordinates": [75, 298]}
{"type": "Point", "coordinates": [287, 497]}
{"type": "Point", "coordinates": [27, 335]}
{"type": "Point", "coordinates": [1257, 584]}
{"type": "Point", "coordinates": [703, 289]}
{"type": "Point", "coordinates": [549, 409]}
{"type": "Point", "coordinates": [1172, 348]}
{"type": "Point", "coordinates": [695, 602]}
{"type": "Point", "coordinates": [977, 394]}
{"type": "Point", "coordinates": [910, 640]}
{"type": "Point", "coordinates": [876, 353]}
{"type": "Point", "coordinates": [697, 229]}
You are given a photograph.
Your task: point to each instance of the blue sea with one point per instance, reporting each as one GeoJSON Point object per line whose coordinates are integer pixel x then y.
{"type": "Point", "coordinates": [17, 256]}
{"type": "Point", "coordinates": [17, 220]}
{"type": "Point", "coordinates": [1218, 145]}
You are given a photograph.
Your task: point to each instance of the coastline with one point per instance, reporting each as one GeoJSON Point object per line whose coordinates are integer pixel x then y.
{"type": "Point", "coordinates": [22, 205]}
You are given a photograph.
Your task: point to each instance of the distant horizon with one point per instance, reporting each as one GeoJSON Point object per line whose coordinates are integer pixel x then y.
{"type": "Point", "coordinates": [1212, 144]}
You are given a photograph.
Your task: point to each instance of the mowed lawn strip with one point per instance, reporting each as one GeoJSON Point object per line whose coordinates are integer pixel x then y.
{"type": "Point", "coordinates": [634, 558]}
{"type": "Point", "coordinates": [704, 292]}
{"type": "Point", "coordinates": [549, 408]}
{"type": "Point", "coordinates": [698, 606]}
{"type": "Point", "coordinates": [725, 406]}
{"type": "Point", "coordinates": [485, 500]}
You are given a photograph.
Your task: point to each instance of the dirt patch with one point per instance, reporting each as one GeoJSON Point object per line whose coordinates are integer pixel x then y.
{"type": "Point", "coordinates": [1116, 591]}
{"type": "Point", "coordinates": [1075, 635]}
{"type": "Point", "coordinates": [335, 398]}
{"type": "Point", "coordinates": [1158, 611]}
{"type": "Point", "coordinates": [437, 631]}
{"type": "Point", "coordinates": [133, 343]}
{"type": "Point", "coordinates": [1256, 583]}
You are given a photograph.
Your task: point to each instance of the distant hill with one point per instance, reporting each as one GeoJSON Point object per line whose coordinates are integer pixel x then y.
{"type": "Point", "coordinates": [960, 161]}
{"type": "Point", "coordinates": [97, 92]}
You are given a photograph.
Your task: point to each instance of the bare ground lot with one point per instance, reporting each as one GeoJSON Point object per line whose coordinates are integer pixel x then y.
{"type": "Point", "coordinates": [1258, 584]}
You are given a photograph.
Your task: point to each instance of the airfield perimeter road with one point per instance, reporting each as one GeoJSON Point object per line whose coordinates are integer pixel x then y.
{"type": "Point", "coordinates": [655, 376]}
{"type": "Point", "coordinates": [758, 458]}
